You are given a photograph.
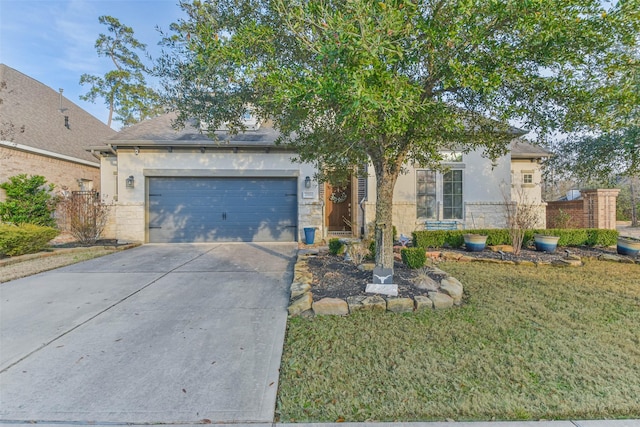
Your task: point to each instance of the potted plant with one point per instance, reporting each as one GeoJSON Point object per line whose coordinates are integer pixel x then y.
{"type": "Point", "coordinates": [545, 243]}
{"type": "Point", "coordinates": [628, 246]}
{"type": "Point", "coordinates": [475, 242]}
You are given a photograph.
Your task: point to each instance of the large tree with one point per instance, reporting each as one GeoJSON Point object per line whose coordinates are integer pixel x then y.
{"type": "Point", "coordinates": [124, 89]}
{"type": "Point", "coordinates": [393, 81]}
{"type": "Point", "coordinates": [609, 154]}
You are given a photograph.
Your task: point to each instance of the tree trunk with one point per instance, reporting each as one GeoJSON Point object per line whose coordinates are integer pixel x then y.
{"type": "Point", "coordinates": [385, 183]}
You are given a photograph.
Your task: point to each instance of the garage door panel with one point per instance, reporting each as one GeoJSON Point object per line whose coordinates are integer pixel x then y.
{"type": "Point", "coordinates": [222, 209]}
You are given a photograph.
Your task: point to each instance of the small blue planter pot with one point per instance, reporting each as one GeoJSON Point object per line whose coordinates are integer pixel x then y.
{"type": "Point", "coordinates": [545, 243]}
{"type": "Point", "coordinates": [475, 242]}
{"type": "Point", "coordinates": [309, 235]}
{"type": "Point", "coordinates": [629, 247]}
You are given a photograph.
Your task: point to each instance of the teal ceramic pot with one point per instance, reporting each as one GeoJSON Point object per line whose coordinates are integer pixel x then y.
{"type": "Point", "coordinates": [545, 243]}
{"type": "Point", "coordinates": [475, 242]}
{"type": "Point", "coordinates": [627, 246]}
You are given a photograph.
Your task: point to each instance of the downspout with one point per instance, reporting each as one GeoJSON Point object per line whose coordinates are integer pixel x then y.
{"type": "Point", "coordinates": [363, 217]}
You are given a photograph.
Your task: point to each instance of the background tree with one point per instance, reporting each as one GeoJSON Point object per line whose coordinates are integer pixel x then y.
{"type": "Point", "coordinates": [610, 154]}
{"type": "Point", "coordinates": [29, 200]}
{"type": "Point", "coordinates": [389, 82]}
{"type": "Point", "coordinates": [124, 89]}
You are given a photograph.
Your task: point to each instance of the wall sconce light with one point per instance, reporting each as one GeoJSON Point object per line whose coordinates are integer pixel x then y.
{"type": "Point", "coordinates": [136, 150]}
{"type": "Point", "coordinates": [307, 182]}
{"type": "Point", "coordinates": [130, 182]}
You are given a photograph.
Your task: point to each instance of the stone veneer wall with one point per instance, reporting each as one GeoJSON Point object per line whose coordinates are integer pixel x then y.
{"type": "Point", "coordinates": [600, 208]}
{"type": "Point", "coordinates": [130, 220]}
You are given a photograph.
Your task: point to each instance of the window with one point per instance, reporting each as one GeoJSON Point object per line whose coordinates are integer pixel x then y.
{"type": "Point", "coordinates": [426, 194]}
{"type": "Point", "coordinates": [527, 178]}
{"type": "Point", "coordinates": [452, 195]}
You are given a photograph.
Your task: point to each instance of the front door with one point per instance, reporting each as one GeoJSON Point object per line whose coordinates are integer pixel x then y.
{"type": "Point", "coordinates": [338, 208]}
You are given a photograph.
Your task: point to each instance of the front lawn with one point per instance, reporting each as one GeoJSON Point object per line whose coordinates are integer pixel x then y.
{"type": "Point", "coordinates": [528, 343]}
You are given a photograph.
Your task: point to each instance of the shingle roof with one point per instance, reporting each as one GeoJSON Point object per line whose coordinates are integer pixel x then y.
{"type": "Point", "coordinates": [29, 103]}
{"type": "Point", "coordinates": [521, 149]}
{"type": "Point", "coordinates": [158, 131]}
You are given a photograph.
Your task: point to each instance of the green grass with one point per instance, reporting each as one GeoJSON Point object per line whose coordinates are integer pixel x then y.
{"type": "Point", "coordinates": [528, 343]}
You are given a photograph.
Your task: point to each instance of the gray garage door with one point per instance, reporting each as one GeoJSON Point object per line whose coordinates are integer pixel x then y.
{"type": "Point", "coordinates": [222, 209]}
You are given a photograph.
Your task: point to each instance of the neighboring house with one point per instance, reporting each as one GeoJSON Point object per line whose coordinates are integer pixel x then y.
{"type": "Point", "coordinates": [43, 133]}
{"type": "Point", "coordinates": [180, 186]}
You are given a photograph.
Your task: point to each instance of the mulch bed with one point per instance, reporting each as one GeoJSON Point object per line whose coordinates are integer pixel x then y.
{"type": "Point", "coordinates": [333, 277]}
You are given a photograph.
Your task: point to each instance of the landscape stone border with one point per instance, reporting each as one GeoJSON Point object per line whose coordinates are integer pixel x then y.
{"type": "Point", "coordinates": [448, 294]}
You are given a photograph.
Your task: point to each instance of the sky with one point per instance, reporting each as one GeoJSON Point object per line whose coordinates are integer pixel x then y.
{"type": "Point", "coordinates": [53, 41]}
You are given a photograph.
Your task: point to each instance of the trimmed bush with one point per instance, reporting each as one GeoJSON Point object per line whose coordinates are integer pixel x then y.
{"type": "Point", "coordinates": [599, 237]}
{"type": "Point", "coordinates": [24, 239]}
{"type": "Point", "coordinates": [414, 257]}
{"type": "Point", "coordinates": [568, 237]}
{"type": "Point", "coordinates": [336, 247]}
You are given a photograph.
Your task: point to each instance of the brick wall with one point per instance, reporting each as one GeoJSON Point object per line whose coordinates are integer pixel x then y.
{"type": "Point", "coordinates": [61, 173]}
{"type": "Point", "coordinates": [572, 208]}
{"type": "Point", "coordinates": [596, 209]}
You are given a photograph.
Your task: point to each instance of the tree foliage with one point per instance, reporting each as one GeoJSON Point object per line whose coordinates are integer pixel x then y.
{"type": "Point", "coordinates": [124, 89]}
{"type": "Point", "coordinates": [29, 200]}
{"type": "Point", "coordinates": [389, 82]}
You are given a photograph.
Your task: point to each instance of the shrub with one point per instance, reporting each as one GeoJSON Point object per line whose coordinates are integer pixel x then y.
{"type": "Point", "coordinates": [24, 239]}
{"type": "Point", "coordinates": [414, 257]}
{"type": "Point", "coordinates": [29, 201]}
{"type": "Point", "coordinates": [599, 237]}
{"type": "Point", "coordinates": [86, 216]}
{"type": "Point", "coordinates": [568, 237]}
{"type": "Point", "coordinates": [372, 249]}
{"type": "Point", "coordinates": [336, 247]}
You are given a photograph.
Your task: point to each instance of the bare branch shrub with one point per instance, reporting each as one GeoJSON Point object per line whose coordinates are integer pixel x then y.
{"type": "Point", "coordinates": [521, 215]}
{"type": "Point", "coordinates": [85, 215]}
{"type": "Point", "coordinates": [358, 252]}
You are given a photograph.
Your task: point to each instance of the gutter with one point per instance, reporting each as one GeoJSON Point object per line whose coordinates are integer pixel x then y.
{"type": "Point", "coordinates": [46, 153]}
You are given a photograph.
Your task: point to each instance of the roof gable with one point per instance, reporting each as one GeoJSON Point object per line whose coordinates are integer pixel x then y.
{"type": "Point", "coordinates": [38, 113]}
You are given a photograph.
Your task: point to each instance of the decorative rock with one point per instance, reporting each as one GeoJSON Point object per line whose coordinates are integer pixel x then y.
{"type": "Point", "coordinates": [298, 289]}
{"type": "Point", "coordinates": [432, 255]}
{"type": "Point", "coordinates": [303, 277]}
{"type": "Point", "coordinates": [503, 248]}
{"type": "Point", "coordinates": [423, 303]}
{"type": "Point", "coordinates": [440, 300]}
{"type": "Point", "coordinates": [427, 283]}
{"type": "Point", "coordinates": [301, 304]}
{"type": "Point", "coordinates": [607, 257]}
{"type": "Point", "coordinates": [374, 288]}
{"type": "Point", "coordinates": [400, 305]}
{"type": "Point", "coordinates": [567, 262]}
{"type": "Point", "coordinates": [330, 307]}
{"type": "Point", "coordinates": [450, 256]}
{"type": "Point", "coordinates": [366, 267]}
{"type": "Point", "coordinates": [452, 287]}
{"type": "Point", "coordinates": [366, 303]}
{"type": "Point", "coordinates": [488, 260]}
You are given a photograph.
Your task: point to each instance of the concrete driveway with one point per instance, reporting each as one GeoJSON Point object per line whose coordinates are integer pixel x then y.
{"type": "Point", "coordinates": [156, 334]}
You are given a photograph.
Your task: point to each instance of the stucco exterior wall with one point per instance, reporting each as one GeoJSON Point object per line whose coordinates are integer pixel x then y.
{"type": "Point", "coordinates": [61, 173]}
{"type": "Point", "coordinates": [130, 203]}
{"type": "Point", "coordinates": [483, 187]}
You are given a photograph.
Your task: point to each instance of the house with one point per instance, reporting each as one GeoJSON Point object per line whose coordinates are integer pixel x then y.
{"type": "Point", "coordinates": [43, 133]}
{"type": "Point", "coordinates": [170, 185]}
